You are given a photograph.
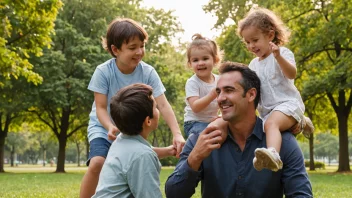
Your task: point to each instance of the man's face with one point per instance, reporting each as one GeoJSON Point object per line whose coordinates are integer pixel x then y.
{"type": "Point", "coordinates": [233, 105]}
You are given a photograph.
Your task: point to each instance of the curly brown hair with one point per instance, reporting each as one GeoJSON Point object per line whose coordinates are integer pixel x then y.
{"type": "Point", "coordinates": [266, 21]}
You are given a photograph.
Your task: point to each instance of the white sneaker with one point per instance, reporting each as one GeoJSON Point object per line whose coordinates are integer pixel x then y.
{"type": "Point", "coordinates": [267, 158]}
{"type": "Point", "coordinates": [308, 129]}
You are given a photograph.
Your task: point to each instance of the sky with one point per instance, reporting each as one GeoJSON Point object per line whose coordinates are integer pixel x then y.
{"type": "Point", "coordinates": [190, 14]}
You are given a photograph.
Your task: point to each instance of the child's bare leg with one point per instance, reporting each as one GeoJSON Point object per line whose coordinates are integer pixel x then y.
{"type": "Point", "coordinates": [269, 157]}
{"type": "Point", "coordinates": [91, 178]}
{"type": "Point", "coordinates": [274, 125]}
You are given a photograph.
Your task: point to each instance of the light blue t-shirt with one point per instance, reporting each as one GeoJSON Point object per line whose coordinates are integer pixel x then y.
{"type": "Point", "coordinates": [108, 79]}
{"type": "Point", "coordinates": [131, 169]}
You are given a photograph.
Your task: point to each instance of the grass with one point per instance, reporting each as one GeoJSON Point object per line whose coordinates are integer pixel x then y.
{"type": "Point", "coordinates": [36, 181]}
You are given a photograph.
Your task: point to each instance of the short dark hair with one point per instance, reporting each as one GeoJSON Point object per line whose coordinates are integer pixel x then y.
{"type": "Point", "coordinates": [130, 106]}
{"type": "Point", "coordinates": [121, 30]}
{"type": "Point", "coordinates": [249, 77]}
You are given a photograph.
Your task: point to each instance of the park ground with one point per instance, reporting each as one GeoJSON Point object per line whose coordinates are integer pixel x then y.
{"type": "Point", "coordinates": [37, 181]}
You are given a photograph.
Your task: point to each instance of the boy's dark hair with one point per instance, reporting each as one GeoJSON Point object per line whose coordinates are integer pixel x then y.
{"type": "Point", "coordinates": [130, 106]}
{"type": "Point", "coordinates": [120, 31]}
{"type": "Point", "coordinates": [249, 77]}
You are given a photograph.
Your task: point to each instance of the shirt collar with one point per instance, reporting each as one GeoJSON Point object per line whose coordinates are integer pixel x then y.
{"type": "Point", "coordinates": [257, 131]}
{"type": "Point", "coordinates": [136, 137]}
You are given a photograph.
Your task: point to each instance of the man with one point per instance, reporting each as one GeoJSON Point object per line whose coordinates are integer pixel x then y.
{"type": "Point", "coordinates": [227, 170]}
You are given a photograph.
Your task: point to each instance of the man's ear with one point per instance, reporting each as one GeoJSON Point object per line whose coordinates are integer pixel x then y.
{"type": "Point", "coordinates": [252, 93]}
{"type": "Point", "coordinates": [147, 121]}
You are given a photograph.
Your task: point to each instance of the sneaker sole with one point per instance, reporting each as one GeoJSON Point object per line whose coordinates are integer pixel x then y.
{"type": "Point", "coordinates": [264, 160]}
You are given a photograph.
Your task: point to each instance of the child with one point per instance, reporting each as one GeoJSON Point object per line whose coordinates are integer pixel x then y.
{"type": "Point", "coordinates": [125, 40]}
{"type": "Point", "coordinates": [281, 105]}
{"type": "Point", "coordinates": [132, 168]}
{"type": "Point", "coordinates": [201, 106]}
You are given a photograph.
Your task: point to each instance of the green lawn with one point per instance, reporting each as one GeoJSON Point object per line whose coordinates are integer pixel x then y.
{"type": "Point", "coordinates": [36, 181]}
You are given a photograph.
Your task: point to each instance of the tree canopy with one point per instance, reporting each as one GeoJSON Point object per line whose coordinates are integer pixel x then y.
{"type": "Point", "coordinates": [26, 27]}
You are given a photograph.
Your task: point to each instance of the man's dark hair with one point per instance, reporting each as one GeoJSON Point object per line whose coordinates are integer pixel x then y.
{"type": "Point", "coordinates": [130, 106]}
{"type": "Point", "coordinates": [249, 77]}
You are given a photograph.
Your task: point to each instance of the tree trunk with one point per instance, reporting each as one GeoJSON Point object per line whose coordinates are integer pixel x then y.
{"type": "Point", "coordinates": [87, 148]}
{"type": "Point", "coordinates": [344, 164]}
{"type": "Point", "coordinates": [2, 148]}
{"type": "Point", "coordinates": [44, 156]}
{"type": "Point", "coordinates": [60, 168]}
{"type": "Point", "coordinates": [12, 155]}
{"type": "Point", "coordinates": [311, 153]}
{"type": "Point", "coordinates": [78, 154]}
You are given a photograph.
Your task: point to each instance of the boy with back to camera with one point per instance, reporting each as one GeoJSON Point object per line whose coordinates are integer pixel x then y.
{"type": "Point", "coordinates": [132, 168]}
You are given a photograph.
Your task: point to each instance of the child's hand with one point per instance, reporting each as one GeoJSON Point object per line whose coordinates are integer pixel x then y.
{"type": "Point", "coordinates": [213, 93]}
{"type": "Point", "coordinates": [171, 150]}
{"type": "Point", "coordinates": [178, 142]}
{"type": "Point", "coordinates": [275, 49]}
{"type": "Point", "coordinates": [112, 132]}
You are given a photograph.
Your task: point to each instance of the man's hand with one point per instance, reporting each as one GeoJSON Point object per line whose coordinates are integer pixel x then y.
{"type": "Point", "coordinates": [221, 125]}
{"type": "Point", "coordinates": [208, 141]}
{"type": "Point", "coordinates": [112, 132]}
{"type": "Point", "coordinates": [178, 142]}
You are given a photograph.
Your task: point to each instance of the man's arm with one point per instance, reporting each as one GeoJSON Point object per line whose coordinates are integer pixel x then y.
{"type": "Point", "coordinates": [183, 181]}
{"type": "Point", "coordinates": [294, 174]}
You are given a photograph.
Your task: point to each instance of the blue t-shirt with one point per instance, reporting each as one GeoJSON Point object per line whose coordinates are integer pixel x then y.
{"type": "Point", "coordinates": [108, 79]}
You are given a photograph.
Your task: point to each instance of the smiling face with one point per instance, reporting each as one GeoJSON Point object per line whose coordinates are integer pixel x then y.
{"type": "Point", "coordinates": [231, 99]}
{"type": "Point", "coordinates": [202, 63]}
{"type": "Point", "coordinates": [130, 54]}
{"type": "Point", "coordinates": [257, 42]}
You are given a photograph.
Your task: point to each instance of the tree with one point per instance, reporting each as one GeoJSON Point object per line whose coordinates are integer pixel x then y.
{"type": "Point", "coordinates": [17, 144]}
{"type": "Point", "coordinates": [13, 103]}
{"type": "Point", "coordinates": [25, 28]}
{"type": "Point", "coordinates": [322, 46]}
{"type": "Point", "coordinates": [63, 101]}
{"type": "Point", "coordinates": [326, 146]}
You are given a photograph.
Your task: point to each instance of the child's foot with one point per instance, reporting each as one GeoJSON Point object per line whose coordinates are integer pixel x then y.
{"type": "Point", "coordinates": [308, 129]}
{"type": "Point", "coordinates": [267, 158]}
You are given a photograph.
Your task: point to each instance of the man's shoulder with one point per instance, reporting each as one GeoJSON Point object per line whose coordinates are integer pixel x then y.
{"type": "Point", "coordinates": [288, 136]}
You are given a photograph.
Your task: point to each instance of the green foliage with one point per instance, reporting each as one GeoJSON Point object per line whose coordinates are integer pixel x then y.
{"type": "Point", "coordinates": [317, 164]}
{"type": "Point", "coordinates": [25, 29]}
{"type": "Point", "coordinates": [326, 145]}
{"type": "Point", "coordinates": [169, 161]}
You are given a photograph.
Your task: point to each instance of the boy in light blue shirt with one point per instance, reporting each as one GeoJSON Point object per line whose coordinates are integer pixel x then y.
{"type": "Point", "coordinates": [132, 167]}
{"type": "Point", "coordinates": [125, 40]}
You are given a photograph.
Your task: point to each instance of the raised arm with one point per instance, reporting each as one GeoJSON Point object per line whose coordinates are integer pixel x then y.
{"type": "Point", "coordinates": [170, 118]}
{"type": "Point", "coordinates": [183, 181]}
{"type": "Point", "coordinates": [198, 104]}
{"type": "Point", "coordinates": [288, 67]}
